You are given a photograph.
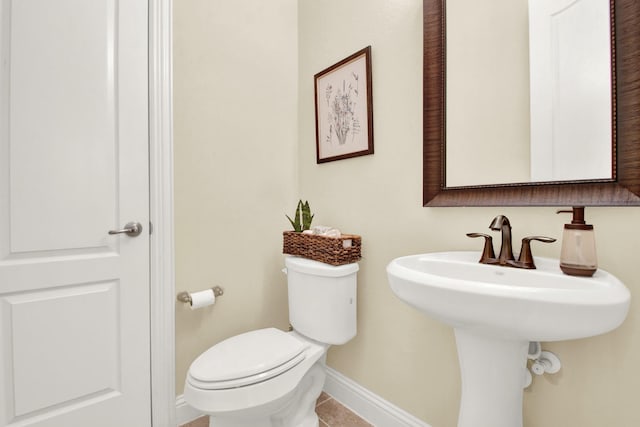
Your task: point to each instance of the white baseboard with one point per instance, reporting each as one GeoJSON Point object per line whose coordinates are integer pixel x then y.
{"type": "Point", "coordinates": [368, 405]}
{"type": "Point", "coordinates": [184, 412]}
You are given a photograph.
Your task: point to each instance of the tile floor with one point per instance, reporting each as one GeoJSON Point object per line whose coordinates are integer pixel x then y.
{"type": "Point", "coordinates": [329, 410]}
{"type": "Point", "coordinates": [333, 414]}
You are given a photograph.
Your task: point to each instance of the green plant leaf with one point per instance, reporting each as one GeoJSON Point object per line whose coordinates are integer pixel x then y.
{"type": "Point", "coordinates": [292, 223]}
{"type": "Point", "coordinates": [306, 216]}
{"type": "Point", "coordinates": [297, 224]}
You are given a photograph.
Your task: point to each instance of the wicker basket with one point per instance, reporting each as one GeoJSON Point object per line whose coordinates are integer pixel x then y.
{"type": "Point", "coordinates": [330, 250]}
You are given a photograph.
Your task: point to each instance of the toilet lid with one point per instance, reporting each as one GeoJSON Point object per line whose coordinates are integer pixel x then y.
{"type": "Point", "coordinates": [249, 357]}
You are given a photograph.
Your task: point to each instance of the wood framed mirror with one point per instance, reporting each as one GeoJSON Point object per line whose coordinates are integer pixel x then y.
{"type": "Point", "coordinates": [623, 189]}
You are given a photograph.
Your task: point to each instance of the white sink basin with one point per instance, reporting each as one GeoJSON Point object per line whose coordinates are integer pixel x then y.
{"type": "Point", "coordinates": [535, 305]}
{"type": "Point", "coordinates": [495, 311]}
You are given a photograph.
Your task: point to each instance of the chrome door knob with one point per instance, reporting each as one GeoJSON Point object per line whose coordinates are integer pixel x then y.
{"type": "Point", "coordinates": [131, 229]}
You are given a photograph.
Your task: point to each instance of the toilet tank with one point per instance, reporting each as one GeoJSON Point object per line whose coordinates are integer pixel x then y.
{"type": "Point", "coordinates": [322, 299]}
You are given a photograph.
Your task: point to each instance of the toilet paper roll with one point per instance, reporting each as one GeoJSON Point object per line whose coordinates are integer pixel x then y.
{"type": "Point", "coordinates": [202, 299]}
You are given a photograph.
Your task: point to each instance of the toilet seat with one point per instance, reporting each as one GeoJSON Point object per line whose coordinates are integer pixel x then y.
{"type": "Point", "coordinates": [259, 396]}
{"type": "Point", "coordinates": [246, 359]}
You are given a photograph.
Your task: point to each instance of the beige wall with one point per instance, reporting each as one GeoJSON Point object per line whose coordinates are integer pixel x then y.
{"type": "Point", "coordinates": [235, 106]}
{"type": "Point", "coordinates": [223, 214]}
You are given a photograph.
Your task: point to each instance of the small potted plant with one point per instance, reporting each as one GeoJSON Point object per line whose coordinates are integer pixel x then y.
{"type": "Point", "coordinates": [303, 217]}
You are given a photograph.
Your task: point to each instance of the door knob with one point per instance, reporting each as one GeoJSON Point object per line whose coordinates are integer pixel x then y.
{"type": "Point", "coordinates": [131, 229]}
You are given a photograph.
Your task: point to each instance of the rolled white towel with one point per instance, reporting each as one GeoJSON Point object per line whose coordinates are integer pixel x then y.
{"type": "Point", "coordinates": [322, 230]}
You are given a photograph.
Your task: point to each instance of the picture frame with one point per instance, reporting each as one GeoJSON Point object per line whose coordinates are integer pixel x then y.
{"type": "Point", "coordinates": [344, 108]}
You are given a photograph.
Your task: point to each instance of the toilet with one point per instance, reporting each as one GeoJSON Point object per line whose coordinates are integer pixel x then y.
{"type": "Point", "coordinates": [271, 378]}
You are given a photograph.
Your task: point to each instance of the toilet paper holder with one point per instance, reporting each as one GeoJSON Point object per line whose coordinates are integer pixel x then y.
{"type": "Point", "coordinates": [186, 298]}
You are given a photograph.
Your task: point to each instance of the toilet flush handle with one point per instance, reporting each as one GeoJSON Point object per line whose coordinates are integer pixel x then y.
{"type": "Point", "coordinates": [285, 271]}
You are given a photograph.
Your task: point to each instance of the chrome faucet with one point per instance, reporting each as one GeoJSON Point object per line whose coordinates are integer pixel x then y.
{"type": "Point", "coordinates": [506, 258]}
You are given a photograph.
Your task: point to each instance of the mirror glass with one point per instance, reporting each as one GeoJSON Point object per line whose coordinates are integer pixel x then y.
{"type": "Point", "coordinates": [528, 91]}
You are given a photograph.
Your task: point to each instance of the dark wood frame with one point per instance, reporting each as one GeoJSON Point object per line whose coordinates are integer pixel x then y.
{"type": "Point", "coordinates": [366, 52]}
{"type": "Point", "coordinates": [622, 190]}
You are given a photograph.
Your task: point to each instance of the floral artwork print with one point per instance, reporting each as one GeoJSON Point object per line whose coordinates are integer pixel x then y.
{"type": "Point", "coordinates": [343, 109]}
{"type": "Point", "coordinates": [343, 121]}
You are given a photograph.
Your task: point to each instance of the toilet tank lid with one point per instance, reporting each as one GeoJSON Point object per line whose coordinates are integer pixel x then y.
{"type": "Point", "coordinates": [246, 354]}
{"type": "Point", "coordinates": [309, 266]}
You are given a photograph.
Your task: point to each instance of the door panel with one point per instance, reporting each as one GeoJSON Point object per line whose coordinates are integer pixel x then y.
{"type": "Point", "coordinates": [74, 300]}
{"type": "Point", "coordinates": [46, 323]}
{"type": "Point", "coordinates": [62, 133]}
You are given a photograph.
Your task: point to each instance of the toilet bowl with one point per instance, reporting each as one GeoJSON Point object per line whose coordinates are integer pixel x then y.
{"type": "Point", "coordinates": [273, 397]}
{"type": "Point", "coordinates": [271, 378]}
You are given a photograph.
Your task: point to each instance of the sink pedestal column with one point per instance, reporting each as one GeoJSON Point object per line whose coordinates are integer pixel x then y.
{"type": "Point", "coordinates": [492, 373]}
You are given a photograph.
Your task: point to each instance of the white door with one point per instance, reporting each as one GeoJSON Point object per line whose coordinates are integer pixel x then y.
{"type": "Point", "coordinates": [74, 300]}
{"type": "Point", "coordinates": [570, 62]}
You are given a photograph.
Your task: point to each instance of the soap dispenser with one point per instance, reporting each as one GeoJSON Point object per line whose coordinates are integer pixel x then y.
{"type": "Point", "coordinates": [578, 254]}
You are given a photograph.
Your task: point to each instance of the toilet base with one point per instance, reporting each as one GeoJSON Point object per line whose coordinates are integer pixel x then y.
{"type": "Point", "coordinates": [298, 408]}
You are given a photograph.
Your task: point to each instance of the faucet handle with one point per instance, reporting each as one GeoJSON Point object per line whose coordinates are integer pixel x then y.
{"type": "Point", "coordinates": [525, 259]}
{"type": "Point", "coordinates": [487, 251]}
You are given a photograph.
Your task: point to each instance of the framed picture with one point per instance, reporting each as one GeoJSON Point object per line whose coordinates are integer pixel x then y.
{"type": "Point", "coordinates": [344, 109]}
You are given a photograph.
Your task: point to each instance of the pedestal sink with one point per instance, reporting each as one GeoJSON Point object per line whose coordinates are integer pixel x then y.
{"type": "Point", "coordinates": [495, 311]}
